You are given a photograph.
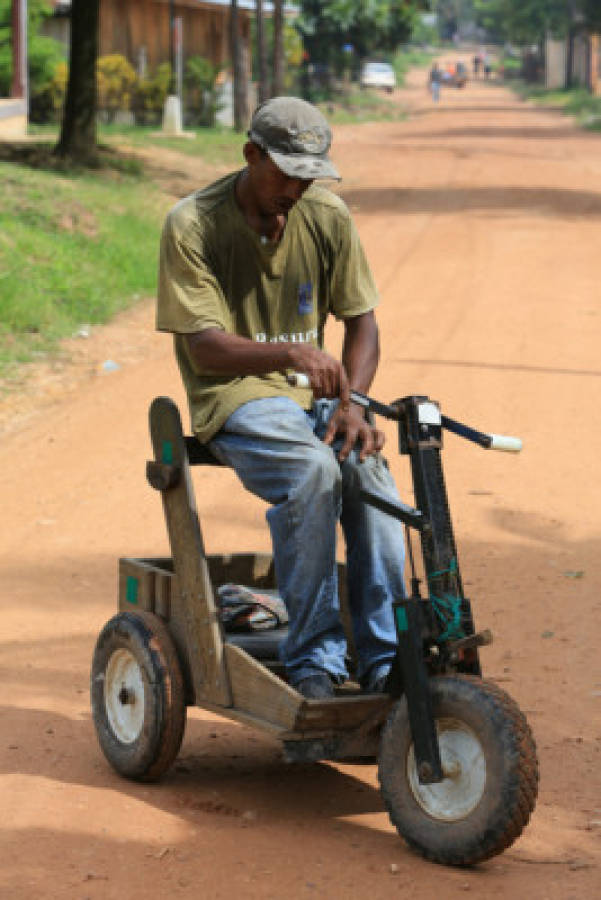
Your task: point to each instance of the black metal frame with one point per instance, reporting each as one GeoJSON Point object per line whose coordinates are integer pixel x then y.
{"type": "Point", "coordinates": [435, 634]}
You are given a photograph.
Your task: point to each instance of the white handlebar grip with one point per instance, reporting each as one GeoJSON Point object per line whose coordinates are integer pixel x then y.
{"type": "Point", "coordinates": [504, 442]}
{"type": "Point", "coordinates": [298, 379]}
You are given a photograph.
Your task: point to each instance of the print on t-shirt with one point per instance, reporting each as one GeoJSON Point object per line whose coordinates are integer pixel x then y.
{"type": "Point", "coordinates": [305, 299]}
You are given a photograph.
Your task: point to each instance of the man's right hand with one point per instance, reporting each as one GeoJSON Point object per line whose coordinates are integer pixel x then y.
{"type": "Point", "coordinates": [216, 352]}
{"type": "Point", "coordinates": [327, 376]}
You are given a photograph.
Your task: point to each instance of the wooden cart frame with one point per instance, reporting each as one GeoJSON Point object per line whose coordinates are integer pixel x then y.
{"type": "Point", "coordinates": [235, 675]}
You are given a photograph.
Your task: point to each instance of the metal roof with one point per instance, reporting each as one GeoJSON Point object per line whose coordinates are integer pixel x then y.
{"type": "Point", "coordinates": [290, 8]}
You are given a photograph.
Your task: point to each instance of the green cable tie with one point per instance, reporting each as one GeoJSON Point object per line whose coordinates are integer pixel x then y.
{"type": "Point", "coordinates": [452, 570]}
{"type": "Point", "coordinates": [448, 604]}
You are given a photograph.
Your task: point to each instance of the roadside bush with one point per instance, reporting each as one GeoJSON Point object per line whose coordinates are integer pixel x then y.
{"type": "Point", "coordinates": [407, 57]}
{"type": "Point", "coordinates": [201, 98]}
{"type": "Point", "coordinates": [44, 56]}
{"type": "Point", "coordinates": [58, 88]}
{"type": "Point", "coordinates": [45, 64]}
{"type": "Point", "coordinates": [149, 96]}
{"type": "Point", "coordinates": [116, 80]}
{"type": "Point", "coordinates": [510, 67]}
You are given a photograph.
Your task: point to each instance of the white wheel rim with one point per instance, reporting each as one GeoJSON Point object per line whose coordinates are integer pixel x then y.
{"type": "Point", "coordinates": [124, 696]}
{"type": "Point", "coordinates": [464, 765]}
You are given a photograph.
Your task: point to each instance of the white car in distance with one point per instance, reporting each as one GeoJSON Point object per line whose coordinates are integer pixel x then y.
{"type": "Point", "coordinates": [378, 75]}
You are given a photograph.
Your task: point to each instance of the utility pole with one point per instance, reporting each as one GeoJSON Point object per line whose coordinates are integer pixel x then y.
{"type": "Point", "coordinates": [172, 112]}
{"type": "Point", "coordinates": [172, 46]}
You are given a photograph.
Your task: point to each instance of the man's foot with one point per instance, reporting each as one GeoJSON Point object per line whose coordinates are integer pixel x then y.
{"type": "Point", "coordinates": [315, 687]}
{"type": "Point", "coordinates": [379, 685]}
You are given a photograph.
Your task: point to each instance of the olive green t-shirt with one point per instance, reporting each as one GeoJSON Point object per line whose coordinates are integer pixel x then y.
{"type": "Point", "coordinates": [215, 271]}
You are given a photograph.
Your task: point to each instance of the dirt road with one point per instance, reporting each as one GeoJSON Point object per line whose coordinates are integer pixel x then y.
{"type": "Point", "coordinates": [481, 219]}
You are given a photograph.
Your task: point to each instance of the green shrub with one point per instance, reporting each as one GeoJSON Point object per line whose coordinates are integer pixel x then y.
{"type": "Point", "coordinates": [44, 56]}
{"type": "Point", "coordinates": [44, 64]}
{"type": "Point", "coordinates": [201, 98]}
{"type": "Point", "coordinates": [149, 96]}
{"type": "Point", "coordinates": [409, 57]}
{"type": "Point", "coordinates": [116, 81]}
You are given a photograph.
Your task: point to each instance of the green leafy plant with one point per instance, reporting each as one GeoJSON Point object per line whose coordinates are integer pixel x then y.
{"type": "Point", "coordinates": [201, 91]}
{"type": "Point", "coordinates": [116, 82]}
{"type": "Point", "coordinates": [44, 55]}
{"type": "Point", "coordinates": [149, 96]}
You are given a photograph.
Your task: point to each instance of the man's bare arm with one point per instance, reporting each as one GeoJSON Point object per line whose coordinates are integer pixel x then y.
{"type": "Point", "coordinates": [361, 351]}
{"type": "Point", "coordinates": [219, 353]}
{"type": "Point", "coordinates": [360, 356]}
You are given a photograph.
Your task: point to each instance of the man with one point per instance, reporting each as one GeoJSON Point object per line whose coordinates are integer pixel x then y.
{"type": "Point", "coordinates": [250, 268]}
{"type": "Point", "coordinates": [434, 80]}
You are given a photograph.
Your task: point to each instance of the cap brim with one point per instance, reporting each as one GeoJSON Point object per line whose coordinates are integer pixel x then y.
{"type": "Point", "coordinates": [304, 165]}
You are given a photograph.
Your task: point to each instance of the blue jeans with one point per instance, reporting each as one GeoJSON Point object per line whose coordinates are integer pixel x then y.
{"type": "Point", "coordinates": [275, 448]}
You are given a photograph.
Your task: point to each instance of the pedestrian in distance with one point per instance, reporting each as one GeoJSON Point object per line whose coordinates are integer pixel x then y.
{"type": "Point", "coordinates": [434, 81]}
{"type": "Point", "coordinates": [477, 62]}
{"type": "Point", "coordinates": [250, 269]}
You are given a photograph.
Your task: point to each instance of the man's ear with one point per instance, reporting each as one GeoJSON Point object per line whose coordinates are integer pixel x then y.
{"type": "Point", "coordinates": [252, 153]}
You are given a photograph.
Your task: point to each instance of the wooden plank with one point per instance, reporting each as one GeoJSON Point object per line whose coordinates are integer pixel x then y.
{"type": "Point", "coordinates": [195, 606]}
{"type": "Point", "coordinates": [162, 598]}
{"type": "Point", "coordinates": [339, 714]}
{"type": "Point", "coordinates": [251, 569]}
{"type": "Point", "coordinates": [237, 715]}
{"type": "Point", "coordinates": [257, 692]}
{"type": "Point", "coordinates": [136, 585]}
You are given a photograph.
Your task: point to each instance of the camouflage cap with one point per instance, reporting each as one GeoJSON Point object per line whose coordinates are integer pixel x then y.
{"type": "Point", "coordinates": [295, 135]}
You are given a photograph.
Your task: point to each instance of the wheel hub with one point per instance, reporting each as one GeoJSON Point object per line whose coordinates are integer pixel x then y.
{"type": "Point", "coordinates": [124, 696]}
{"type": "Point", "coordinates": [464, 767]}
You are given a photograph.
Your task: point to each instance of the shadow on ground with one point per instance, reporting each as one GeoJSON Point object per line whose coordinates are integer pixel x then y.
{"type": "Point", "coordinates": [533, 201]}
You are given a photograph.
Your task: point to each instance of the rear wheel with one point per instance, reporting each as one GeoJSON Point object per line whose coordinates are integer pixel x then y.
{"type": "Point", "coordinates": [489, 759]}
{"type": "Point", "coordinates": [137, 693]}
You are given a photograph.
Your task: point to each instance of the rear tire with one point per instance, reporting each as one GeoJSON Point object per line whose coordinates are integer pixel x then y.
{"type": "Point", "coordinates": [137, 694]}
{"type": "Point", "coordinates": [489, 755]}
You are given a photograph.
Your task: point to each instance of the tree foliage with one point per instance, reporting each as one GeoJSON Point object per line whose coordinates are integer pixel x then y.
{"type": "Point", "coordinates": [370, 26]}
{"type": "Point", "coordinates": [528, 21]}
{"type": "Point", "coordinates": [44, 54]}
{"type": "Point", "coordinates": [201, 91]}
{"type": "Point", "coordinates": [116, 79]}
{"type": "Point", "coordinates": [591, 11]}
{"type": "Point", "coordinates": [452, 14]}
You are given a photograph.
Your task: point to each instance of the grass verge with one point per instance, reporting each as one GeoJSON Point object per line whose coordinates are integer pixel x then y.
{"type": "Point", "coordinates": [576, 102]}
{"type": "Point", "coordinates": [216, 146]}
{"type": "Point", "coordinates": [357, 106]}
{"type": "Point", "coordinates": [75, 248]}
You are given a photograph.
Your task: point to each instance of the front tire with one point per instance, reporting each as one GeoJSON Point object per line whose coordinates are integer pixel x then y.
{"type": "Point", "coordinates": [489, 759]}
{"type": "Point", "coordinates": [137, 694]}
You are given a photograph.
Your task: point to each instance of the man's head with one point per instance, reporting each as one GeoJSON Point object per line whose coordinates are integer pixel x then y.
{"type": "Point", "coordinates": [287, 149]}
{"type": "Point", "coordinates": [295, 136]}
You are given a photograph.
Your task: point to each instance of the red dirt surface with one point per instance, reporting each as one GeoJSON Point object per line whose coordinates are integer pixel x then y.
{"type": "Point", "coordinates": [481, 220]}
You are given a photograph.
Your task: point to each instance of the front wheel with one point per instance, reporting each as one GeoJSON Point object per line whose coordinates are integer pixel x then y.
{"type": "Point", "coordinates": [137, 694]}
{"type": "Point", "coordinates": [490, 765]}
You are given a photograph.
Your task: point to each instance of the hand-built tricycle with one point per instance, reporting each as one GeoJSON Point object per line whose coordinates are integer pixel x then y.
{"type": "Point", "coordinates": [457, 761]}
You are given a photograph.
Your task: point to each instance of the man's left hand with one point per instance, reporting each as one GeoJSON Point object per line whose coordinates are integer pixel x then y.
{"type": "Point", "coordinates": [348, 420]}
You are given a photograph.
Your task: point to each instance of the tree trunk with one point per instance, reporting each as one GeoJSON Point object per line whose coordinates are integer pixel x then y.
{"type": "Point", "coordinates": [238, 71]}
{"type": "Point", "coordinates": [263, 92]}
{"type": "Point", "coordinates": [78, 131]}
{"type": "Point", "coordinates": [278, 49]}
{"type": "Point", "coordinates": [19, 53]}
{"type": "Point", "coordinates": [570, 58]}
